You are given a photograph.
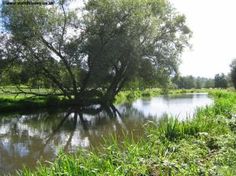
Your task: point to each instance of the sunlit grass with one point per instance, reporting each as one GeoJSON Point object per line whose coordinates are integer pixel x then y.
{"type": "Point", "coordinates": [12, 100]}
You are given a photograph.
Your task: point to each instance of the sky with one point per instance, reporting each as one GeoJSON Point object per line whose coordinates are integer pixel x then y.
{"type": "Point", "coordinates": [214, 36]}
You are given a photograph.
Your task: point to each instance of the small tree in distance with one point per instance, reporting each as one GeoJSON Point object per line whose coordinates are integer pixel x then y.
{"type": "Point", "coordinates": [221, 81]}
{"type": "Point", "coordinates": [233, 72]}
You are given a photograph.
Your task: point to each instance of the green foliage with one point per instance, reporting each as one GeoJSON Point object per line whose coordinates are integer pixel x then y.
{"type": "Point", "coordinates": [113, 43]}
{"type": "Point", "coordinates": [233, 72]}
{"type": "Point", "coordinates": [190, 82]}
{"type": "Point", "coordinates": [52, 100]}
{"type": "Point", "coordinates": [221, 81]}
{"type": "Point", "coordinates": [131, 95]}
{"type": "Point", "coordinates": [25, 102]}
{"type": "Point", "coordinates": [146, 94]}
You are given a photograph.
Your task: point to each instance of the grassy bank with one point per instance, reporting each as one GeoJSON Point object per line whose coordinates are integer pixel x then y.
{"type": "Point", "coordinates": [131, 95]}
{"type": "Point", "coordinates": [205, 145]}
{"type": "Point", "coordinates": [21, 102]}
{"type": "Point", "coordinates": [29, 104]}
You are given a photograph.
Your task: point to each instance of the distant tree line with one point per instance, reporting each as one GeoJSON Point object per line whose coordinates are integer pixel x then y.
{"type": "Point", "coordinates": [190, 82]}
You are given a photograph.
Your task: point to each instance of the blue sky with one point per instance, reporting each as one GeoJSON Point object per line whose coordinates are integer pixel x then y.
{"type": "Point", "coordinates": [214, 36]}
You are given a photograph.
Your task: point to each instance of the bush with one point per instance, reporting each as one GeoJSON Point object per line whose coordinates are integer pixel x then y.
{"type": "Point", "coordinates": [52, 100]}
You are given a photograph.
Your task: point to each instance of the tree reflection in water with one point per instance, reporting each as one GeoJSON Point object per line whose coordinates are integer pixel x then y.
{"type": "Point", "coordinates": [26, 139]}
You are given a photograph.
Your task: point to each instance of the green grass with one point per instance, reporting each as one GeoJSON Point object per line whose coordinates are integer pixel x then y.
{"type": "Point", "coordinates": [10, 92]}
{"type": "Point", "coordinates": [131, 95]}
{"type": "Point", "coordinates": [21, 102]}
{"type": "Point", "coordinates": [205, 145]}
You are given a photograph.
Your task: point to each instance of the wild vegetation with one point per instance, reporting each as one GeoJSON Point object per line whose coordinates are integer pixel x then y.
{"type": "Point", "coordinates": [204, 145]}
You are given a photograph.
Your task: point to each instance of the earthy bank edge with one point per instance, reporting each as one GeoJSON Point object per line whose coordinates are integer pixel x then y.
{"type": "Point", "coordinates": [10, 103]}
{"type": "Point", "coordinates": [205, 145]}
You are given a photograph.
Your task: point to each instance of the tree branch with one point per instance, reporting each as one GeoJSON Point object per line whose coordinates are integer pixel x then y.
{"type": "Point", "coordinates": [48, 74]}
{"type": "Point", "coordinates": [67, 66]}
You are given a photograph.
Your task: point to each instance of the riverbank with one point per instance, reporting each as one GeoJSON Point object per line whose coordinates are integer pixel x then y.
{"type": "Point", "coordinates": [30, 104]}
{"type": "Point", "coordinates": [11, 103]}
{"type": "Point", "coordinates": [203, 146]}
{"type": "Point", "coordinates": [131, 95]}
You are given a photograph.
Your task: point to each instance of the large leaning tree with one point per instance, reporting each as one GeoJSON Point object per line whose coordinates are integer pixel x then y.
{"type": "Point", "coordinates": [89, 54]}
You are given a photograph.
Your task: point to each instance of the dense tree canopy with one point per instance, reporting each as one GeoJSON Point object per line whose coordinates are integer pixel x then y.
{"type": "Point", "coordinates": [221, 81]}
{"type": "Point", "coordinates": [233, 72]}
{"type": "Point", "coordinates": [90, 54]}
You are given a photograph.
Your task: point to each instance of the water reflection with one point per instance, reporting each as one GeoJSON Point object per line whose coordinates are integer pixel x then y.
{"type": "Point", "coordinates": [180, 106]}
{"type": "Point", "coordinates": [27, 139]}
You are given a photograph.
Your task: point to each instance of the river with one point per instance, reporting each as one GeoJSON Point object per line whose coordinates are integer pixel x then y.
{"type": "Point", "coordinates": [26, 139]}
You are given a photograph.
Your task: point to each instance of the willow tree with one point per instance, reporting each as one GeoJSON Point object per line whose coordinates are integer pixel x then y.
{"type": "Point", "coordinates": [89, 54]}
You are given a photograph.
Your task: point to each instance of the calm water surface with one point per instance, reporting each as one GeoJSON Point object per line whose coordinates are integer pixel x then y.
{"type": "Point", "coordinates": [26, 139]}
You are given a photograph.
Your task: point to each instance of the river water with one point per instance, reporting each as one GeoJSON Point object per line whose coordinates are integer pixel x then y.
{"type": "Point", "coordinates": [26, 139]}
